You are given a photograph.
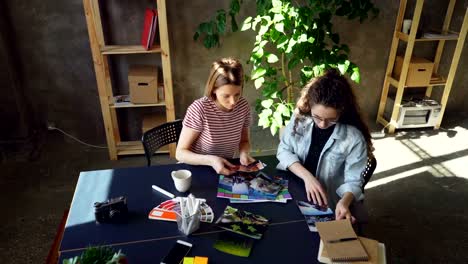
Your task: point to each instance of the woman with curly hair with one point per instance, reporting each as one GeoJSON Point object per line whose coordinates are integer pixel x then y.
{"type": "Point", "coordinates": [327, 143]}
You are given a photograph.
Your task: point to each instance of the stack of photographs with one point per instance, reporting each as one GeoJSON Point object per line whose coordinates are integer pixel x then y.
{"type": "Point", "coordinates": [246, 187]}
{"type": "Point", "coordinates": [252, 167]}
{"type": "Point", "coordinates": [314, 213]}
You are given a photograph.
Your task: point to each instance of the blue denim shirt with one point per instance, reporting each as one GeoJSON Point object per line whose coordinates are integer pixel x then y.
{"type": "Point", "coordinates": [341, 162]}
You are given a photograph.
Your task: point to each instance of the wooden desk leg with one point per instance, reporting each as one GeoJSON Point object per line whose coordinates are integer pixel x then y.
{"type": "Point", "coordinates": [53, 256]}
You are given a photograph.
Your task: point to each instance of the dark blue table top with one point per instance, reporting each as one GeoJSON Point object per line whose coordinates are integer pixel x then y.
{"type": "Point", "coordinates": [287, 239]}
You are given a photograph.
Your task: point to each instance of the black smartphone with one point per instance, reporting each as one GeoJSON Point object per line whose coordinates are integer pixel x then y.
{"type": "Point", "coordinates": [177, 253]}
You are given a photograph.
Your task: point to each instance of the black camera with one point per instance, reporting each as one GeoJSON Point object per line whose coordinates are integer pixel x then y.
{"type": "Point", "coordinates": [113, 210]}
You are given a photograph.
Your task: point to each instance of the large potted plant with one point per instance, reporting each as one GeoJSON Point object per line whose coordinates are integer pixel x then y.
{"type": "Point", "coordinates": [294, 42]}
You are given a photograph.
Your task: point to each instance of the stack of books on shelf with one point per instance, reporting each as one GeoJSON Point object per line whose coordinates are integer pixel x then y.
{"type": "Point", "coordinates": [253, 188]}
{"type": "Point", "coordinates": [149, 28]}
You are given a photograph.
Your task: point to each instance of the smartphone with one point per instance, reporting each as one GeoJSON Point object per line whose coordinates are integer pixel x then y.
{"type": "Point", "coordinates": [177, 253]}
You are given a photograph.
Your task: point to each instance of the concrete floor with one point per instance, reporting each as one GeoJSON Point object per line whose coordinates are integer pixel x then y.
{"type": "Point", "coordinates": [417, 198]}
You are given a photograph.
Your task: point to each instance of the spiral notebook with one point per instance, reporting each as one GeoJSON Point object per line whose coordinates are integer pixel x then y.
{"type": "Point", "coordinates": [374, 249]}
{"type": "Point", "coordinates": [341, 242]}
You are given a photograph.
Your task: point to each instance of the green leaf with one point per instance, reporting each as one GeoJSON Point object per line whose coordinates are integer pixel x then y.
{"type": "Point", "coordinates": [247, 24]}
{"type": "Point", "coordinates": [274, 129]}
{"type": "Point", "coordinates": [258, 54]}
{"type": "Point", "coordinates": [356, 76]}
{"type": "Point", "coordinates": [291, 44]}
{"type": "Point", "coordinates": [196, 35]}
{"type": "Point", "coordinates": [264, 118]}
{"type": "Point", "coordinates": [258, 72]}
{"type": "Point", "coordinates": [221, 22]}
{"type": "Point", "coordinates": [343, 67]}
{"type": "Point", "coordinates": [267, 103]}
{"type": "Point", "coordinates": [256, 21]}
{"type": "Point", "coordinates": [345, 48]}
{"type": "Point", "coordinates": [279, 27]}
{"type": "Point", "coordinates": [263, 29]}
{"type": "Point", "coordinates": [307, 71]}
{"type": "Point", "coordinates": [283, 109]}
{"type": "Point", "coordinates": [278, 18]}
{"type": "Point", "coordinates": [258, 82]}
{"type": "Point", "coordinates": [235, 6]}
{"type": "Point", "coordinates": [262, 43]}
{"type": "Point", "coordinates": [302, 38]}
{"type": "Point", "coordinates": [276, 3]}
{"type": "Point", "coordinates": [272, 58]}
{"type": "Point", "coordinates": [282, 41]}
{"type": "Point", "coordinates": [234, 26]}
{"type": "Point", "coordinates": [278, 117]}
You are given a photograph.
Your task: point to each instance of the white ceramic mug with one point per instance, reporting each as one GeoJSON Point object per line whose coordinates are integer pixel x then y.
{"type": "Point", "coordinates": [406, 26]}
{"type": "Point", "coordinates": [182, 180]}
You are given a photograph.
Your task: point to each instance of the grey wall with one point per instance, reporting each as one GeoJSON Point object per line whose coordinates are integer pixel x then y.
{"type": "Point", "coordinates": [58, 76]}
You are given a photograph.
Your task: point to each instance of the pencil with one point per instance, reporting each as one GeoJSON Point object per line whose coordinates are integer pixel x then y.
{"type": "Point", "coordinates": [161, 190]}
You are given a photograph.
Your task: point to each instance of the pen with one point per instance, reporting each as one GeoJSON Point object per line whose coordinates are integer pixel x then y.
{"type": "Point", "coordinates": [342, 239]}
{"type": "Point", "coordinates": [161, 190]}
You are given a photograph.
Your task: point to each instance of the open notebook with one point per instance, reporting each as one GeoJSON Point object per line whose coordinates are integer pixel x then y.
{"type": "Point", "coordinates": [341, 242]}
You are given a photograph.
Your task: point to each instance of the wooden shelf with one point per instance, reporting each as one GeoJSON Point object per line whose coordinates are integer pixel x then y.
{"type": "Point", "coordinates": [135, 148]}
{"type": "Point", "coordinates": [128, 49]}
{"type": "Point", "coordinates": [132, 105]}
{"type": "Point", "coordinates": [404, 37]}
{"type": "Point", "coordinates": [434, 82]}
{"type": "Point", "coordinates": [101, 57]}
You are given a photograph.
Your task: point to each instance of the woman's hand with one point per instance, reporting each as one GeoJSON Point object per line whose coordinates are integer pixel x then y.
{"type": "Point", "coordinates": [221, 165]}
{"type": "Point", "coordinates": [246, 159]}
{"type": "Point", "coordinates": [342, 212]}
{"type": "Point", "coordinates": [314, 191]}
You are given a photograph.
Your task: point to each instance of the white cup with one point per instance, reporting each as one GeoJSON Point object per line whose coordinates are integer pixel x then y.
{"type": "Point", "coordinates": [406, 26]}
{"type": "Point", "coordinates": [182, 180]}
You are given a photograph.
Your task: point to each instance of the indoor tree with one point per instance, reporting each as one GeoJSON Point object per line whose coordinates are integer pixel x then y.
{"type": "Point", "coordinates": [294, 42]}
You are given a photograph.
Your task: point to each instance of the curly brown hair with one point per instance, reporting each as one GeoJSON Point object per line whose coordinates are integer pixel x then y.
{"type": "Point", "coordinates": [332, 90]}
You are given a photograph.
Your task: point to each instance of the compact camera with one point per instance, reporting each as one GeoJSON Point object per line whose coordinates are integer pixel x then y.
{"type": "Point", "coordinates": [112, 210]}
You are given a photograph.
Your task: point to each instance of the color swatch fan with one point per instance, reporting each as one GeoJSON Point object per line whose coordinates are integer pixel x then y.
{"type": "Point", "coordinates": [167, 211]}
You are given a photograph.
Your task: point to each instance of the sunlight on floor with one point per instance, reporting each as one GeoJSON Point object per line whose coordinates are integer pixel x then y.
{"type": "Point", "coordinates": [443, 154]}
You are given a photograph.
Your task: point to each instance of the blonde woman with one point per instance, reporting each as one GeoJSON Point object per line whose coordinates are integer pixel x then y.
{"type": "Point", "coordinates": [216, 126]}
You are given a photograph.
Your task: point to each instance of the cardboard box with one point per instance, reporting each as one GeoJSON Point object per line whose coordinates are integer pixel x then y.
{"type": "Point", "coordinates": [419, 71]}
{"type": "Point", "coordinates": [143, 84]}
{"type": "Point", "coordinates": [153, 120]}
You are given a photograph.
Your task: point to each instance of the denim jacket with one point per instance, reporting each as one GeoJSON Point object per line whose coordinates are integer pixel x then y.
{"type": "Point", "coordinates": [341, 161]}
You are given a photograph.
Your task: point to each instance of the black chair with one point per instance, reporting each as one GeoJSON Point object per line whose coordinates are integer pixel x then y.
{"type": "Point", "coordinates": [369, 170]}
{"type": "Point", "coordinates": [359, 209]}
{"type": "Point", "coordinates": [160, 136]}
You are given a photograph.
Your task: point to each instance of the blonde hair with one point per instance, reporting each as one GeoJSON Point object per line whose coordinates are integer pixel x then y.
{"type": "Point", "coordinates": [224, 71]}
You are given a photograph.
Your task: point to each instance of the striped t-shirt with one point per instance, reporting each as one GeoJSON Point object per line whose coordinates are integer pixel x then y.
{"type": "Point", "coordinates": [220, 131]}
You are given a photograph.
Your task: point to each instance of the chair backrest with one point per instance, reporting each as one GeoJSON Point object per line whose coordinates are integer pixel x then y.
{"type": "Point", "coordinates": [369, 170]}
{"type": "Point", "coordinates": [160, 136]}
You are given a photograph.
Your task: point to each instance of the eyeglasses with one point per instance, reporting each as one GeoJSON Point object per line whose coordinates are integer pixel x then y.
{"type": "Point", "coordinates": [328, 122]}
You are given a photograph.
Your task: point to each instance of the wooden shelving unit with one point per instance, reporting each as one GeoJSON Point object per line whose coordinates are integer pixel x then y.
{"type": "Point", "coordinates": [410, 39]}
{"type": "Point", "coordinates": [101, 53]}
